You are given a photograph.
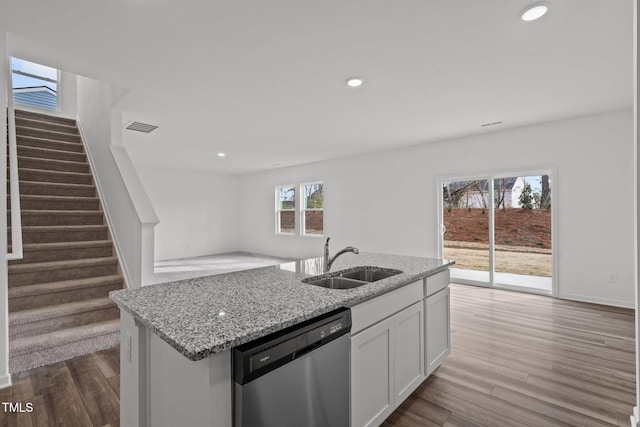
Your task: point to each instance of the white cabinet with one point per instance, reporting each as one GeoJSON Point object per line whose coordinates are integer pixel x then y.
{"type": "Point", "coordinates": [437, 328]}
{"type": "Point", "coordinates": [397, 339]}
{"type": "Point", "coordinates": [409, 351]}
{"type": "Point", "coordinates": [387, 358]}
{"type": "Point", "coordinates": [372, 369]}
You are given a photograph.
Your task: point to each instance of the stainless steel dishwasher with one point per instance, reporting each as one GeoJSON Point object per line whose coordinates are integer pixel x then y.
{"type": "Point", "coordinates": [296, 377]}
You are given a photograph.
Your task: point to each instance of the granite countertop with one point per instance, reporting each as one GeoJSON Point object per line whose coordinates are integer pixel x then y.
{"type": "Point", "coordinates": [207, 315]}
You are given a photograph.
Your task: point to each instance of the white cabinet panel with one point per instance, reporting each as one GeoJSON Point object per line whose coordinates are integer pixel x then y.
{"type": "Point", "coordinates": [436, 283]}
{"type": "Point", "coordinates": [409, 351]}
{"type": "Point", "coordinates": [374, 310]}
{"type": "Point", "coordinates": [372, 366]}
{"type": "Point", "coordinates": [437, 327]}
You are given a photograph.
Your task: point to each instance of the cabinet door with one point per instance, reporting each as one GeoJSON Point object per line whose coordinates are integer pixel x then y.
{"type": "Point", "coordinates": [437, 327]}
{"type": "Point", "coordinates": [409, 350]}
{"type": "Point", "coordinates": [372, 365]}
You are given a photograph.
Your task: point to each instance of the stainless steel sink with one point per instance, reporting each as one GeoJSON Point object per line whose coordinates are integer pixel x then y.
{"type": "Point", "coordinates": [352, 278]}
{"type": "Point", "coordinates": [370, 274]}
{"type": "Point", "coordinates": [336, 282]}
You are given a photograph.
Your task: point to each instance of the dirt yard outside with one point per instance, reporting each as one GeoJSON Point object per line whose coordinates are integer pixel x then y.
{"type": "Point", "coordinates": [523, 240]}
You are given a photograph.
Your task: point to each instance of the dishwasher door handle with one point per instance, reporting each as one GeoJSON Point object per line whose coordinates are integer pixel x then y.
{"type": "Point", "coordinates": [306, 350]}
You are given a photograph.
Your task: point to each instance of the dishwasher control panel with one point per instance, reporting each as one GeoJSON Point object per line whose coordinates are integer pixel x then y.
{"type": "Point", "coordinates": [260, 356]}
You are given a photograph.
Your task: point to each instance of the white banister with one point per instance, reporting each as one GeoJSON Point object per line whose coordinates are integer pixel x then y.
{"type": "Point", "coordinates": [14, 188]}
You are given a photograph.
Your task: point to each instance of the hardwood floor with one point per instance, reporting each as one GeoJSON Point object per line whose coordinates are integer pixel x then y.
{"type": "Point", "coordinates": [525, 360]}
{"type": "Point", "coordinates": [80, 392]}
{"type": "Point", "coordinates": [516, 360]}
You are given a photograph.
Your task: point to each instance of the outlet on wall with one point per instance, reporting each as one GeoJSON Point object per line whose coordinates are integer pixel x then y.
{"type": "Point", "coordinates": [612, 277]}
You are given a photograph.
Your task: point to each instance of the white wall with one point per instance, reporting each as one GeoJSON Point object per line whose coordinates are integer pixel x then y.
{"type": "Point", "coordinates": [386, 202]}
{"type": "Point", "coordinates": [199, 211]}
{"type": "Point", "coordinates": [94, 114]}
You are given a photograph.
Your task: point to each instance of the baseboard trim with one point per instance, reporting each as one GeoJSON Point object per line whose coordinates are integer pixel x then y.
{"type": "Point", "coordinates": [5, 380]}
{"type": "Point", "coordinates": [601, 301]}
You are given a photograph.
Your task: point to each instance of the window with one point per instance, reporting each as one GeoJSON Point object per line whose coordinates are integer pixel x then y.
{"type": "Point", "coordinates": [312, 209]}
{"type": "Point", "coordinates": [34, 84]}
{"type": "Point", "coordinates": [286, 209]}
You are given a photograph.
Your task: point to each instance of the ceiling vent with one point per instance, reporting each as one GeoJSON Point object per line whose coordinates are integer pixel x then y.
{"type": "Point", "coordinates": [141, 127]}
{"type": "Point", "coordinates": [490, 124]}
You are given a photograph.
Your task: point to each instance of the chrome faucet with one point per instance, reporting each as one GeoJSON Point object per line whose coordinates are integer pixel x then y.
{"type": "Point", "coordinates": [328, 261]}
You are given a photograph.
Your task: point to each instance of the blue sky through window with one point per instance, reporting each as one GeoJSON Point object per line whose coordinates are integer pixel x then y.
{"type": "Point", "coordinates": [20, 81]}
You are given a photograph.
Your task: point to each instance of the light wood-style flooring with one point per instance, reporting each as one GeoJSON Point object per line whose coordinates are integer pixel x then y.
{"type": "Point", "coordinates": [80, 392]}
{"type": "Point", "coordinates": [526, 360]}
{"type": "Point", "coordinates": [516, 360]}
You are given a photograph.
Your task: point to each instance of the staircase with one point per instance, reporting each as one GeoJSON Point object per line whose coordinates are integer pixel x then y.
{"type": "Point", "coordinates": [58, 293]}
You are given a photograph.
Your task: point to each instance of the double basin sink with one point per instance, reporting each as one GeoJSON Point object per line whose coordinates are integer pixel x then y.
{"type": "Point", "coordinates": [351, 278]}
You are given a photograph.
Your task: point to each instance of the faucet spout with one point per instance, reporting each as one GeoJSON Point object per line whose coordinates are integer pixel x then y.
{"type": "Point", "coordinates": [328, 261]}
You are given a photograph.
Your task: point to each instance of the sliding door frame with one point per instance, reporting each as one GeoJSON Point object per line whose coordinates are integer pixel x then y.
{"type": "Point", "coordinates": [490, 177]}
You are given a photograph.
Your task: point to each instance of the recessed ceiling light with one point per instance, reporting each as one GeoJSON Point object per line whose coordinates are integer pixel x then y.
{"type": "Point", "coordinates": [355, 81]}
{"type": "Point", "coordinates": [221, 154]}
{"type": "Point", "coordinates": [534, 11]}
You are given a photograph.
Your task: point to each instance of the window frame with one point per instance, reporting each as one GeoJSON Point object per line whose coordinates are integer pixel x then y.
{"type": "Point", "coordinates": [278, 210]}
{"type": "Point", "coordinates": [303, 209]}
{"type": "Point", "coordinates": [57, 82]}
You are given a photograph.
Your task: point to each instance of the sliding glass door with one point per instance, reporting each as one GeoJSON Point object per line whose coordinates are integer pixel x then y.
{"type": "Point", "coordinates": [498, 229]}
{"type": "Point", "coordinates": [466, 227]}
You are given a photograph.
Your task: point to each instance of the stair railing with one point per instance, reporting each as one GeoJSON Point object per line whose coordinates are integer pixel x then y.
{"type": "Point", "coordinates": [14, 188]}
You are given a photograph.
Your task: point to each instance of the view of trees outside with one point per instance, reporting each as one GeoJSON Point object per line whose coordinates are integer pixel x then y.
{"type": "Point", "coordinates": [522, 224]}
{"type": "Point", "coordinates": [313, 213]}
{"type": "Point", "coordinates": [286, 209]}
{"type": "Point", "coordinates": [466, 239]}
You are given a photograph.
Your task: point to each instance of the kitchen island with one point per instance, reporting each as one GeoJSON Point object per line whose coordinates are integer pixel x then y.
{"type": "Point", "coordinates": [176, 337]}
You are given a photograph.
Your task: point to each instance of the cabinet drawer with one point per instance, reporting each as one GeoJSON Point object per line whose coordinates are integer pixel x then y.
{"type": "Point", "coordinates": [435, 283]}
{"type": "Point", "coordinates": [374, 310]}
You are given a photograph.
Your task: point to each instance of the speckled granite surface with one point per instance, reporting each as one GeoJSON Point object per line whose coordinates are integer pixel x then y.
{"type": "Point", "coordinates": [208, 315]}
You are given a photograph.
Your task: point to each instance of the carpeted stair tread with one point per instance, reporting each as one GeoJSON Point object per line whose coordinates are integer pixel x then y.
{"type": "Point", "coordinates": [37, 163]}
{"type": "Point", "coordinates": [55, 311]}
{"type": "Point", "coordinates": [62, 292]}
{"type": "Point", "coordinates": [40, 202]}
{"type": "Point", "coordinates": [39, 175]}
{"type": "Point", "coordinates": [55, 212]}
{"type": "Point", "coordinates": [61, 217]}
{"type": "Point", "coordinates": [56, 189]}
{"type": "Point", "coordinates": [41, 197]}
{"type": "Point", "coordinates": [63, 233]}
{"type": "Point", "coordinates": [57, 265]}
{"type": "Point", "coordinates": [48, 134]}
{"type": "Point", "coordinates": [64, 245]}
{"type": "Point", "coordinates": [60, 228]}
{"type": "Point", "coordinates": [60, 251]}
{"type": "Point", "coordinates": [40, 124]}
{"type": "Point", "coordinates": [32, 352]}
{"type": "Point", "coordinates": [45, 117]}
{"type": "Point", "coordinates": [63, 286]}
{"type": "Point", "coordinates": [70, 335]}
{"type": "Point", "coordinates": [48, 153]}
{"type": "Point", "coordinates": [34, 141]}
{"type": "Point", "coordinates": [71, 269]}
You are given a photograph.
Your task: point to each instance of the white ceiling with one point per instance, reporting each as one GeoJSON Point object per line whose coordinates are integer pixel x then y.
{"type": "Point", "coordinates": [264, 80]}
